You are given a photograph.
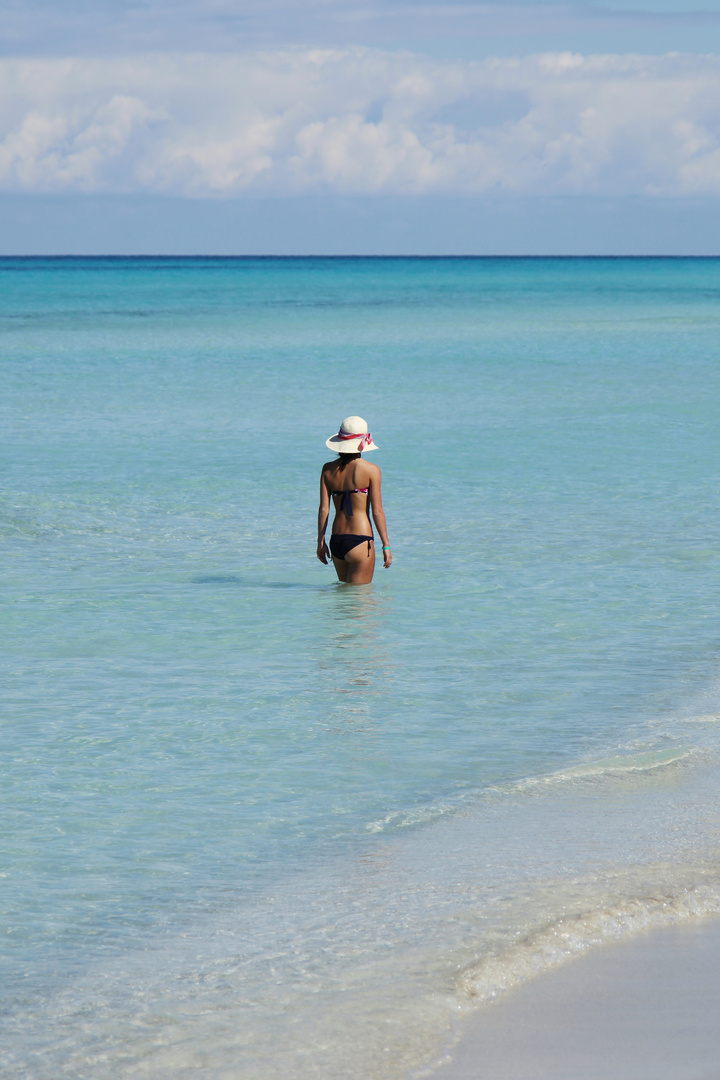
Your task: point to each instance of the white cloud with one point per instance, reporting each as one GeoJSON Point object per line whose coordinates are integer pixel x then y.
{"type": "Point", "coordinates": [362, 121]}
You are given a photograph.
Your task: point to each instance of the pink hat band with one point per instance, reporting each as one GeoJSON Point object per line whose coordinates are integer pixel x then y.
{"type": "Point", "coordinates": [365, 437]}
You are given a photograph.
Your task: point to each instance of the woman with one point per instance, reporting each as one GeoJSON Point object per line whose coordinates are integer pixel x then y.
{"type": "Point", "coordinates": [354, 486]}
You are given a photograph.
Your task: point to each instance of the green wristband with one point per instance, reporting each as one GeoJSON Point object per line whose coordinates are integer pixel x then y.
{"type": "Point", "coordinates": [386, 547]}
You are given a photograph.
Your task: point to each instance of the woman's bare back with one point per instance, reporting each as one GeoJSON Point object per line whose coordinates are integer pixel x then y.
{"type": "Point", "coordinates": [355, 480]}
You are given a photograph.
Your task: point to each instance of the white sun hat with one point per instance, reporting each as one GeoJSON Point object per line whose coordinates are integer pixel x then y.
{"type": "Point", "coordinates": [352, 438]}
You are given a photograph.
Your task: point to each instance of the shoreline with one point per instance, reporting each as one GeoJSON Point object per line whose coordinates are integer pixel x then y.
{"type": "Point", "coordinates": [639, 1008]}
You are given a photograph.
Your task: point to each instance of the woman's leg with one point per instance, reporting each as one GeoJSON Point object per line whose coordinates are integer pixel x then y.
{"type": "Point", "coordinates": [341, 568]}
{"type": "Point", "coordinates": [360, 564]}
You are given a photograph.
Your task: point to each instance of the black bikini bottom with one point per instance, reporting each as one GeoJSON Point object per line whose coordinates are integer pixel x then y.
{"type": "Point", "coordinates": [341, 543]}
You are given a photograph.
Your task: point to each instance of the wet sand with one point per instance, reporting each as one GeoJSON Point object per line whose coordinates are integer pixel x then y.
{"type": "Point", "coordinates": [645, 1009]}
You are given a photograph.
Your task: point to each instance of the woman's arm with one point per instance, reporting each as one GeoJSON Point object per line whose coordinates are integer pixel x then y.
{"type": "Point", "coordinates": [323, 514]}
{"type": "Point", "coordinates": [375, 495]}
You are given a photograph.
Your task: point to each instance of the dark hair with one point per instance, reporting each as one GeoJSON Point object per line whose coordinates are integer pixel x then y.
{"type": "Point", "coordinates": [343, 459]}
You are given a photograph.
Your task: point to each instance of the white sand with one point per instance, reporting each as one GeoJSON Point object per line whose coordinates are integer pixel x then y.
{"type": "Point", "coordinates": [647, 1009]}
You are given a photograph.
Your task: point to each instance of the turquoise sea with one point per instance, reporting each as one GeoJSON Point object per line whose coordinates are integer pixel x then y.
{"type": "Point", "coordinates": [259, 824]}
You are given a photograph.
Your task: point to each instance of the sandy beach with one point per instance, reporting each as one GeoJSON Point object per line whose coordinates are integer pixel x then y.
{"type": "Point", "coordinates": [645, 1009]}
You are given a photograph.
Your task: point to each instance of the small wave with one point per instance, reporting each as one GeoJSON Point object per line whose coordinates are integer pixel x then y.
{"type": "Point", "coordinates": [710, 718]}
{"type": "Point", "coordinates": [574, 935]}
{"type": "Point", "coordinates": [619, 765]}
{"type": "Point", "coordinates": [417, 815]}
{"type": "Point", "coordinates": [647, 761]}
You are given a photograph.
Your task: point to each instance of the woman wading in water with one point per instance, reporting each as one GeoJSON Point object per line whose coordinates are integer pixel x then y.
{"type": "Point", "coordinates": [354, 487]}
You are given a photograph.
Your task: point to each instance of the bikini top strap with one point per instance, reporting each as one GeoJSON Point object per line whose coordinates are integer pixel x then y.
{"type": "Point", "coordinates": [346, 501]}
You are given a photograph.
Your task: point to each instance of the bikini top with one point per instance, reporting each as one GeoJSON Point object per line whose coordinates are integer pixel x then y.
{"type": "Point", "coordinates": [346, 501]}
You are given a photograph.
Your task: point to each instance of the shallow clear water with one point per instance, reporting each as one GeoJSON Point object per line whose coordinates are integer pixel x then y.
{"type": "Point", "coordinates": [257, 822]}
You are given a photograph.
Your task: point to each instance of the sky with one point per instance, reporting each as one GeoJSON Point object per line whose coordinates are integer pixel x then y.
{"type": "Point", "coordinates": [344, 127]}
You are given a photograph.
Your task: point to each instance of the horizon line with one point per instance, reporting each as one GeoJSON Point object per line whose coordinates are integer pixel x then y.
{"type": "Point", "coordinates": [399, 255]}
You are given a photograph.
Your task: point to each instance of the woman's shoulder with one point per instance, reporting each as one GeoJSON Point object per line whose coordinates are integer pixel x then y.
{"type": "Point", "coordinates": [366, 473]}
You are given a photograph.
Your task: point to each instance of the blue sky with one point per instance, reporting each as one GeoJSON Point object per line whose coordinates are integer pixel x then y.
{"type": "Point", "coordinates": [456, 29]}
{"type": "Point", "coordinates": [350, 127]}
